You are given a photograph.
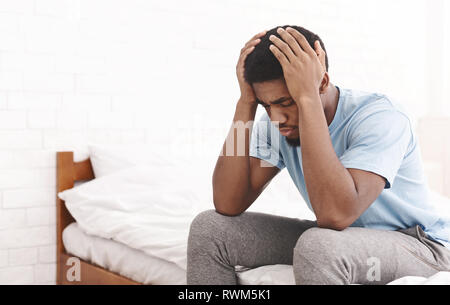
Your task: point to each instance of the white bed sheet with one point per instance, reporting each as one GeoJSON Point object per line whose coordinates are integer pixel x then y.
{"type": "Point", "coordinates": [143, 268]}
{"type": "Point", "coordinates": [119, 258]}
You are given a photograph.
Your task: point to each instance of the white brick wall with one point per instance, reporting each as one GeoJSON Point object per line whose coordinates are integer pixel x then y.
{"type": "Point", "coordinates": [3, 258]}
{"type": "Point", "coordinates": [74, 72]}
{"type": "Point", "coordinates": [3, 103]}
{"type": "Point", "coordinates": [12, 120]}
{"type": "Point", "coordinates": [24, 256]}
{"type": "Point", "coordinates": [20, 275]}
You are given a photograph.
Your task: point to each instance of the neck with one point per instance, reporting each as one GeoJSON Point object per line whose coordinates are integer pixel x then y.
{"type": "Point", "coordinates": [330, 101]}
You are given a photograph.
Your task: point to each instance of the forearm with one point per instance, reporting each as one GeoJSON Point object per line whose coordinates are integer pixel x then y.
{"type": "Point", "coordinates": [330, 186]}
{"type": "Point", "coordinates": [231, 178]}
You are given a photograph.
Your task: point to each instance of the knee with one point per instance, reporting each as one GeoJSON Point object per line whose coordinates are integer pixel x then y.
{"type": "Point", "coordinates": [315, 254]}
{"type": "Point", "coordinates": [318, 242]}
{"type": "Point", "coordinates": [207, 233]}
{"type": "Point", "coordinates": [207, 224]}
{"type": "Point", "coordinates": [201, 222]}
{"type": "Point", "coordinates": [313, 242]}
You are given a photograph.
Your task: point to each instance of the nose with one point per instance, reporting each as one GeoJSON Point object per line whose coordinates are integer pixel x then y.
{"type": "Point", "coordinates": [278, 115]}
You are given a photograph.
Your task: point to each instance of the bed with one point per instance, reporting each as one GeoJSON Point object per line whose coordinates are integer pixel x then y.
{"type": "Point", "coordinates": [104, 261]}
{"type": "Point", "coordinates": [109, 261]}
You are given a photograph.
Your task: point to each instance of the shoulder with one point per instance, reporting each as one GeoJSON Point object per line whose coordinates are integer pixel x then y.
{"type": "Point", "coordinates": [374, 108]}
{"type": "Point", "coordinates": [376, 117]}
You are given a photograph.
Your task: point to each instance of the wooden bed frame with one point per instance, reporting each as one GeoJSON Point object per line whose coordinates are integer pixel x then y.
{"type": "Point", "coordinates": [68, 172]}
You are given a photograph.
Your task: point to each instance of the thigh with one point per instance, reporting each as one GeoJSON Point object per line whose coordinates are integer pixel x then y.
{"type": "Point", "coordinates": [367, 256]}
{"type": "Point", "coordinates": [252, 239]}
{"type": "Point", "coordinates": [394, 255]}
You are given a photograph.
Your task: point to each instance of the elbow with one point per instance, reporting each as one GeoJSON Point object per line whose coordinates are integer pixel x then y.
{"type": "Point", "coordinates": [334, 223]}
{"type": "Point", "coordinates": [229, 213]}
{"type": "Point", "coordinates": [338, 216]}
{"type": "Point", "coordinates": [227, 209]}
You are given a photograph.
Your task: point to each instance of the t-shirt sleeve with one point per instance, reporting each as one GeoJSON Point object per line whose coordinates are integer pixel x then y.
{"type": "Point", "coordinates": [265, 143]}
{"type": "Point", "coordinates": [378, 143]}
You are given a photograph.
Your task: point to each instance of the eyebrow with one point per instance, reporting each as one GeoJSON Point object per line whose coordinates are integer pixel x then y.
{"type": "Point", "coordinates": [276, 102]}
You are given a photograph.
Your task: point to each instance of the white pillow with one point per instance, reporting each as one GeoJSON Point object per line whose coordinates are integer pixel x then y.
{"type": "Point", "coordinates": [281, 197]}
{"type": "Point", "coordinates": [106, 160]}
{"type": "Point", "coordinates": [109, 159]}
{"type": "Point", "coordinates": [136, 207]}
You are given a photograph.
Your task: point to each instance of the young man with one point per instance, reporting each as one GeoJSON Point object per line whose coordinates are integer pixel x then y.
{"type": "Point", "coordinates": [353, 157]}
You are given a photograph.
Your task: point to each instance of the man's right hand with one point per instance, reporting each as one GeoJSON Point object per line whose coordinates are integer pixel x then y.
{"type": "Point", "coordinates": [239, 179]}
{"type": "Point", "coordinates": [247, 93]}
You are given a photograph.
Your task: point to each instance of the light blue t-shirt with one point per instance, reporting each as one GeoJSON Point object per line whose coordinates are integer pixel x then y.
{"type": "Point", "coordinates": [369, 132]}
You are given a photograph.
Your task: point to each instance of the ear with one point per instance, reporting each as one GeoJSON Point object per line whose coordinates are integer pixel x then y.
{"type": "Point", "coordinates": [325, 82]}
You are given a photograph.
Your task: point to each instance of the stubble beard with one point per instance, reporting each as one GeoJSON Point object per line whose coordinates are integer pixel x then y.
{"type": "Point", "coordinates": [293, 142]}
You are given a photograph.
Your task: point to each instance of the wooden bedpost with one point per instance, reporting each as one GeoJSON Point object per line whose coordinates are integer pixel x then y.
{"type": "Point", "coordinates": [67, 172]}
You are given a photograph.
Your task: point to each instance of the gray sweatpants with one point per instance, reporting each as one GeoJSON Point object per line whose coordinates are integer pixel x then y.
{"type": "Point", "coordinates": [218, 243]}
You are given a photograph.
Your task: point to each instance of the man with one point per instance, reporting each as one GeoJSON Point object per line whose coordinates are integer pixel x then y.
{"type": "Point", "coordinates": [353, 157]}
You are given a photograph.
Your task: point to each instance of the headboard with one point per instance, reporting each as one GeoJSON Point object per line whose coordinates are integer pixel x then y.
{"type": "Point", "coordinates": [67, 173]}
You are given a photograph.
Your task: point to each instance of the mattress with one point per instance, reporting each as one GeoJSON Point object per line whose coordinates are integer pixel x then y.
{"type": "Point", "coordinates": [143, 268]}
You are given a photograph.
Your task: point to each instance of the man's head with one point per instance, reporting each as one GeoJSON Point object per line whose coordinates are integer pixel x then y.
{"type": "Point", "coordinates": [263, 71]}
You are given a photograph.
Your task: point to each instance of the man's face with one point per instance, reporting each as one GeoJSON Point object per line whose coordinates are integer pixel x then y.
{"type": "Point", "coordinates": [275, 98]}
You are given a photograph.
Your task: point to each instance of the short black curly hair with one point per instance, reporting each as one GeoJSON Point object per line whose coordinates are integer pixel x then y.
{"type": "Point", "coordinates": [261, 65]}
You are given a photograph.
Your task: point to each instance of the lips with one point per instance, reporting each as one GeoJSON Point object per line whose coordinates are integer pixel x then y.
{"type": "Point", "coordinates": [286, 131]}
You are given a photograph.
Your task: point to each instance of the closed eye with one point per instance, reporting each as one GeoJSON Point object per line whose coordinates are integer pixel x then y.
{"type": "Point", "coordinates": [287, 103]}
{"type": "Point", "coordinates": [262, 104]}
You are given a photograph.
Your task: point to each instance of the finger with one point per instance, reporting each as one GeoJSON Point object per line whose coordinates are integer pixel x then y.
{"type": "Point", "coordinates": [250, 44]}
{"type": "Point", "coordinates": [291, 41]}
{"type": "Point", "coordinates": [245, 54]}
{"type": "Point", "coordinates": [320, 53]}
{"type": "Point", "coordinates": [279, 55]}
{"type": "Point", "coordinates": [259, 35]}
{"type": "Point", "coordinates": [301, 40]}
{"type": "Point", "coordinates": [254, 40]}
{"type": "Point", "coordinates": [283, 47]}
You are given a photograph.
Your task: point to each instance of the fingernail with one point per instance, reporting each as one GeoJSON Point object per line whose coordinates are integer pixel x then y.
{"type": "Point", "coordinates": [279, 30]}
